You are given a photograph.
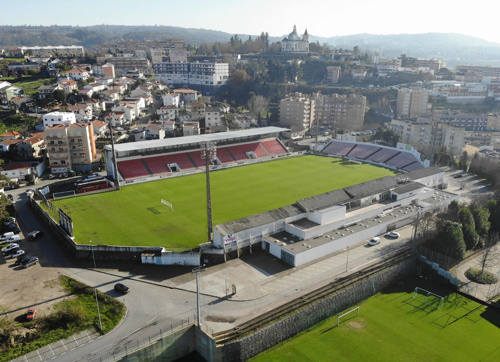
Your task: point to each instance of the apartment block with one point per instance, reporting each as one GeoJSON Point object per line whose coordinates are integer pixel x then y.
{"type": "Point", "coordinates": [297, 113]}
{"type": "Point", "coordinates": [70, 147]}
{"type": "Point", "coordinates": [340, 112]}
{"type": "Point", "coordinates": [412, 102]}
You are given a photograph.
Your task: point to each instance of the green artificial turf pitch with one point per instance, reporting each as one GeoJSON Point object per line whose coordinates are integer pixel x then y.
{"type": "Point", "coordinates": [396, 327]}
{"type": "Point", "coordinates": [135, 216]}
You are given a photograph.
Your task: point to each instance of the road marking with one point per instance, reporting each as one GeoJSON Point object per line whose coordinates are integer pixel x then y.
{"type": "Point", "coordinates": [39, 355]}
{"type": "Point", "coordinates": [64, 345]}
{"type": "Point", "coordinates": [52, 350]}
{"type": "Point", "coordinates": [75, 339]}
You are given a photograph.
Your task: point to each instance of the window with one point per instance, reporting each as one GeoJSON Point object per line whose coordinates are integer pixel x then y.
{"type": "Point", "coordinates": [63, 162]}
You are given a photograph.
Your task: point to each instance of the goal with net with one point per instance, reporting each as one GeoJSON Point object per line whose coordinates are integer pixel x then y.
{"type": "Point", "coordinates": [351, 312]}
{"type": "Point", "coordinates": [427, 297]}
{"type": "Point", "coordinates": [165, 202]}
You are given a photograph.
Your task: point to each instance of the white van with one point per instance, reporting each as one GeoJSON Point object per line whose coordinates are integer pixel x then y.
{"type": "Point", "coordinates": [13, 239]}
{"type": "Point", "coordinates": [6, 236]}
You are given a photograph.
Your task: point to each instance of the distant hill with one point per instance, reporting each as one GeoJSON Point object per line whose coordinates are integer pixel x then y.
{"type": "Point", "coordinates": [453, 48]}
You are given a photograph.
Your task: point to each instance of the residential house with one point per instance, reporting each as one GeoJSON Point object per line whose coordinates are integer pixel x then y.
{"type": "Point", "coordinates": [245, 120]}
{"type": "Point", "coordinates": [8, 91]}
{"type": "Point", "coordinates": [127, 110]}
{"type": "Point", "coordinates": [195, 108]}
{"type": "Point", "coordinates": [171, 99]}
{"type": "Point", "coordinates": [187, 95]}
{"type": "Point", "coordinates": [214, 120]}
{"type": "Point", "coordinates": [96, 105]}
{"type": "Point", "coordinates": [119, 86]}
{"type": "Point", "coordinates": [96, 87]}
{"type": "Point", "coordinates": [10, 135]}
{"type": "Point", "coordinates": [155, 131]}
{"type": "Point", "coordinates": [117, 119]}
{"type": "Point", "coordinates": [168, 112]}
{"type": "Point", "coordinates": [58, 118]}
{"type": "Point", "coordinates": [6, 145]}
{"type": "Point", "coordinates": [47, 91]}
{"type": "Point", "coordinates": [105, 70]}
{"type": "Point", "coordinates": [71, 147]}
{"type": "Point", "coordinates": [111, 94]}
{"type": "Point", "coordinates": [190, 128]}
{"type": "Point", "coordinates": [18, 170]}
{"type": "Point", "coordinates": [68, 86]}
{"type": "Point", "coordinates": [32, 147]}
{"type": "Point", "coordinates": [86, 92]}
{"type": "Point", "coordinates": [100, 128]}
{"type": "Point", "coordinates": [78, 74]}
{"type": "Point", "coordinates": [81, 109]}
{"type": "Point", "coordinates": [141, 91]}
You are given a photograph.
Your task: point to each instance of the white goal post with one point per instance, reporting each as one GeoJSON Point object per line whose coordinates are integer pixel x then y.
{"type": "Point", "coordinates": [343, 315]}
{"type": "Point", "coordinates": [165, 202]}
{"type": "Point", "coordinates": [429, 297]}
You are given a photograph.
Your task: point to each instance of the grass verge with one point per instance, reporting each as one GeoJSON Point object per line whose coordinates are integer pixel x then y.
{"type": "Point", "coordinates": [74, 314]}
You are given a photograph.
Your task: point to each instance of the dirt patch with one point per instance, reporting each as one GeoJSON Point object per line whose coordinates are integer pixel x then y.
{"type": "Point", "coordinates": [37, 286]}
{"type": "Point", "coordinates": [356, 325]}
{"type": "Point", "coordinates": [220, 319]}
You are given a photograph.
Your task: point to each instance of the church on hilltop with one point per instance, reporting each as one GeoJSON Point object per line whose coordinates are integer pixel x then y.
{"type": "Point", "coordinates": [293, 43]}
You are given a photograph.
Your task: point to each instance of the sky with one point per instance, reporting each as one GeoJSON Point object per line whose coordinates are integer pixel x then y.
{"type": "Point", "coordinates": [324, 18]}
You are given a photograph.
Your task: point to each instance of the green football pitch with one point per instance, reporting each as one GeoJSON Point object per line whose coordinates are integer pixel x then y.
{"type": "Point", "coordinates": [135, 216]}
{"type": "Point", "coordinates": [394, 326]}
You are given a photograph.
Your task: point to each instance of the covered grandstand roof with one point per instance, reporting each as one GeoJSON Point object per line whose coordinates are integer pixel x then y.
{"type": "Point", "coordinates": [324, 200]}
{"type": "Point", "coordinates": [179, 141]}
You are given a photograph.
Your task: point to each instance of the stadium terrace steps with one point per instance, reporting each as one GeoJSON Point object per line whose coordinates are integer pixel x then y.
{"type": "Point", "coordinates": [273, 147]}
{"type": "Point", "coordinates": [338, 148]}
{"type": "Point", "coordinates": [413, 166]}
{"type": "Point", "coordinates": [132, 169]}
{"type": "Point", "coordinates": [383, 155]}
{"type": "Point", "coordinates": [196, 164]}
{"type": "Point", "coordinates": [363, 151]}
{"type": "Point", "coordinates": [147, 167]}
{"type": "Point", "coordinates": [224, 155]}
{"type": "Point", "coordinates": [157, 164]}
{"type": "Point", "coordinates": [239, 152]}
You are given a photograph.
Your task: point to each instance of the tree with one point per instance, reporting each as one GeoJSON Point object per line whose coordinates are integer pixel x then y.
{"type": "Point", "coordinates": [464, 161]}
{"type": "Point", "coordinates": [426, 225]}
{"type": "Point", "coordinates": [471, 237]}
{"type": "Point", "coordinates": [257, 103]}
{"type": "Point", "coordinates": [490, 254]}
{"type": "Point", "coordinates": [59, 95]}
{"type": "Point", "coordinates": [275, 71]}
{"type": "Point", "coordinates": [450, 240]}
{"type": "Point", "coordinates": [494, 219]}
{"type": "Point", "coordinates": [481, 218]}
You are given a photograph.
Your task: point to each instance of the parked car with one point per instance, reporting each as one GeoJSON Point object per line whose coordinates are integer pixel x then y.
{"type": "Point", "coordinates": [11, 198]}
{"type": "Point", "coordinates": [13, 228]}
{"type": "Point", "coordinates": [6, 236]}
{"type": "Point", "coordinates": [13, 239]}
{"type": "Point", "coordinates": [31, 314]}
{"type": "Point", "coordinates": [10, 247]}
{"type": "Point", "coordinates": [374, 241]}
{"type": "Point", "coordinates": [22, 259]}
{"type": "Point", "coordinates": [10, 220]}
{"type": "Point", "coordinates": [458, 176]}
{"type": "Point", "coordinates": [122, 288]}
{"type": "Point", "coordinates": [19, 252]}
{"type": "Point", "coordinates": [31, 261]}
{"type": "Point", "coordinates": [393, 234]}
{"type": "Point", "coordinates": [11, 251]}
{"type": "Point", "coordinates": [35, 234]}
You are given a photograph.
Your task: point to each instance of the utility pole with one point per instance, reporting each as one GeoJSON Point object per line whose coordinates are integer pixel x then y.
{"type": "Point", "coordinates": [209, 153]}
{"type": "Point", "coordinates": [95, 290]}
{"type": "Point", "coordinates": [197, 271]}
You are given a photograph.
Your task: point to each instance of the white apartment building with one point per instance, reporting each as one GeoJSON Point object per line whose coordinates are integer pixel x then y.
{"type": "Point", "coordinates": [297, 113]}
{"type": "Point", "coordinates": [171, 99]}
{"type": "Point", "coordinates": [58, 118]}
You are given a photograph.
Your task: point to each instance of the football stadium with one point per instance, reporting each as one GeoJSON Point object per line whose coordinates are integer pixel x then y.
{"type": "Point", "coordinates": [259, 189]}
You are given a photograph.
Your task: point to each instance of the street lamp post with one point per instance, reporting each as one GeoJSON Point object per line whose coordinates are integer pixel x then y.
{"type": "Point", "coordinates": [208, 154]}
{"type": "Point", "coordinates": [95, 290]}
{"type": "Point", "coordinates": [197, 271]}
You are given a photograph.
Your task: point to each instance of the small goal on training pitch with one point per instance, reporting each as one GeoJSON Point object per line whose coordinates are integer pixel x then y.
{"type": "Point", "coordinates": [356, 310]}
{"type": "Point", "coordinates": [165, 202]}
{"type": "Point", "coordinates": [429, 298]}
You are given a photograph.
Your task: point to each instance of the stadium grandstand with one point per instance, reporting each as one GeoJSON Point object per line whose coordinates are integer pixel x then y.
{"type": "Point", "coordinates": [405, 160]}
{"type": "Point", "coordinates": [151, 160]}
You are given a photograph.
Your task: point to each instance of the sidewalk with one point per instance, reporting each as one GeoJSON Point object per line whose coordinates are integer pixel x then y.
{"type": "Point", "coordinates": [59, 348]}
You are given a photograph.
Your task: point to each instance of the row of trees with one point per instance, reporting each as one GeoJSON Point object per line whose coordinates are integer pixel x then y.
{"type": "Point", "coordinates": [465, 228]}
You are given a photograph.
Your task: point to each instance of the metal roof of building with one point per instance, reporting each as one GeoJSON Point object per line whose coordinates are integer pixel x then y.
{"type": "Point", "coordinates": [256, 220]}
{"type": "Point", "coordinates": [197, 139]}
{"type": "Point", "coordinates": [324, 200]}
{"type": "Point", "coordinates": [371, 187]}
{"type": "Point", "coordinates": [423, 172]}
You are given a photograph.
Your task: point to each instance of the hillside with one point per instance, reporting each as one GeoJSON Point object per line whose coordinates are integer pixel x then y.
{"type": "Point", "coordinates": [453, 48]}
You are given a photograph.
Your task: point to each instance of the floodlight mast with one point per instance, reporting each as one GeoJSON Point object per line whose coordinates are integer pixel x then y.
{"type": "Point", "coordinates": [113, 155]}
{"type": "Point", "coordinates": [209, 153]}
